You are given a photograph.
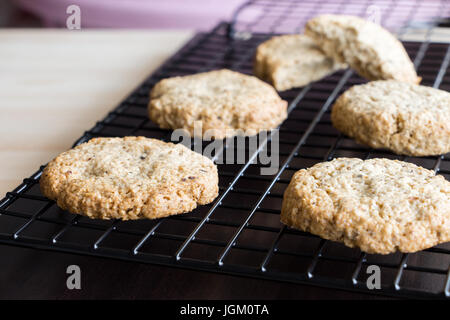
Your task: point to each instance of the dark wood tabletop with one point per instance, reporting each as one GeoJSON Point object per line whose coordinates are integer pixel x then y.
{"type": "Point", "coordinates": [38, 274]}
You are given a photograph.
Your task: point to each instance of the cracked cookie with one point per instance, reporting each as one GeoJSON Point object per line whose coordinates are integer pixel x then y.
{"type": "Point", "coordinates": [129, 178]}
{"type": "Point", "coordinates": [367, 47]}
{"type": "Point", "coordinates": [291, 61]}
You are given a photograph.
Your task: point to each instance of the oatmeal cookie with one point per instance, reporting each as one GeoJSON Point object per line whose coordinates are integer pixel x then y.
{"type": "Point", "coordinates": [367, 47]}
{"type": "Point", "coordinates": [225, 102]}
{"type": "Point", "coordinates": [378, 205]}
{"type": "Point", "coordinates": [406, 118]}
{"type": "Point", "coordinates": [129, 178]}
{"type": "Point", "coordinates": [291, 61]}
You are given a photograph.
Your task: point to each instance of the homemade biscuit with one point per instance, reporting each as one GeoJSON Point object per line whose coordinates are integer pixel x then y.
{"type": "Point", "coordinates": [291, 61]}
{"type": "Point", "coordinates": [406, 118]}
{"type": "Point", "coordinates": [226, 103]}
{"type": "Point", "coordinates": [378, 205]}
{"type": "Point", "coordinates": [367, 47]}
{"type": "Point", "coordinates": [129, 178]}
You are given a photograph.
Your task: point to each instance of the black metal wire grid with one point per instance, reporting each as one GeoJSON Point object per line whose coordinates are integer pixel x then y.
{"type": "Point", "coordinates": [289, 16]}
{"type": "Point", "coordinates": [240, 233]}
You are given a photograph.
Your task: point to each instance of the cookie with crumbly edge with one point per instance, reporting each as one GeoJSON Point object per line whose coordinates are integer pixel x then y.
{"type": "Point", "coordinates": [225, 102]}
{"type": "Point", "coordinates": [406, 118]}
{"type": "Point", "coordinates": [129, 178]}
{"type": "Point", "coordinates": [367, 47]}
{"type": "Point", "coordinates": [291, 61]}
{"type": "Point", "coordinates": [378, 205]}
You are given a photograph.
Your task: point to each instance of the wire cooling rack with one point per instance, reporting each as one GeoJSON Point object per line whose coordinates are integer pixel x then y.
{"type": "Point", "coordinates": [240, 233]}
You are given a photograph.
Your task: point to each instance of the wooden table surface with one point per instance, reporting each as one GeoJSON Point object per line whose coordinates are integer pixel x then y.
{"type": "Point", "coordinates": [55, 84]}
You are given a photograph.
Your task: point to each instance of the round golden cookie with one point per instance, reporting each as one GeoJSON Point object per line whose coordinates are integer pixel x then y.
{"type": "Point", "coordinates": [129, 178]}
{"type": "Point", "coordinates": [367, 47]}
{"type": "Point", "coordinates": [225, 102]}
{"type": "Point", "coordinates": [406, 118]}
{"type": "Point", "coordinates": [378, 205]}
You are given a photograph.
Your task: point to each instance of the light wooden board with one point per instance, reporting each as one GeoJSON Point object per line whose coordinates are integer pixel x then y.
{"type": "Point", "coordinates": [55, 84]}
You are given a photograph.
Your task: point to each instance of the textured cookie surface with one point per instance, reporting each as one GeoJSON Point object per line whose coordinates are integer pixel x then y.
{"type": "Point", "coordinates": [406, 118]}
{"type": "Point", "coordinates": [223, 101]}
{"type": "Point", "coordinates": [378, 205]}
{"type": "Point", "coordinates": [367, 47]}
{"type": "Point", "coordinates": [129, 178]}
{"type": "Point", "coordinates": [291, 61]}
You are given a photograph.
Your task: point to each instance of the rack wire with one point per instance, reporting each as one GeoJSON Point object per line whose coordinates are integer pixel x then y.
{"type": "Point", "coordinates": [240, 233]}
